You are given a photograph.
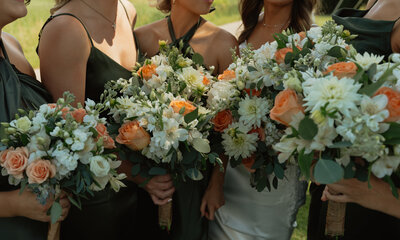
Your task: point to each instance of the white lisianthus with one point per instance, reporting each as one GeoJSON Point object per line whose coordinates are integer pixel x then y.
{"type": "Point", "coordinates": [340, 95]}
{"type": "Point", "coordinates": [374, 110]}
{"type": "Point", "coordinates": [237, 142]}
{"type": "Point", "coordinates": [285, 147]}
{"type": "Point", "coordinates": [23, 124]}
{"type": "Point", "coordinates": [170, 136]}
{"type": "Point", "coordinates": [99, 166]}
{"type": "Point", "coordinates": [253, 111]}
{"type": "Point", "coordinates": [366, 60]}
{"type": "Point", "coordinates": [385, 166]}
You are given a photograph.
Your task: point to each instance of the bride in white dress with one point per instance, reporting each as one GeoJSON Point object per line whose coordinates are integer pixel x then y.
{"type": "Point", "coordinates": [248, 214]}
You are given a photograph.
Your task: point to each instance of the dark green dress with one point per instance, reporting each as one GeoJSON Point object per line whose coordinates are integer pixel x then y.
{"type": "Point", "coordinates": [108, 215]}
{"type": "Point", "coordinates": [187, 223]}
{"type": "Point", "coordinates": [18, 91]}
{"type": "Point", "coordinates": [360, 223]}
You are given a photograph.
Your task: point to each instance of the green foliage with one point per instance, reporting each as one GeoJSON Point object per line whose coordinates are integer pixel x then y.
{"type": "Point", "coordinates": [308, 129]}
{"type": "Point", "coordinates": [328, 171]}
{"type": "Point", "coordinates": [55, 211]}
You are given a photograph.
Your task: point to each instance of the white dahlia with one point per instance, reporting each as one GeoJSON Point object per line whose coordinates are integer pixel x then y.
{"type": "Point", "coordinates": [237, 142]}
{"type": "Point", "coordinates": [253, 111]}
{"type": "Point", "coordinates": [366, 60]}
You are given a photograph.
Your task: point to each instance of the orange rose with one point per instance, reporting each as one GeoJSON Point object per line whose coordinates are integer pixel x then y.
{"type": "Point", "coordinates": [206, 81]}
{"type": "Point", "coordinates": [79, 114]}
{"type": "Point", "coordinates": [52, 105]}
{"type": "Point", "coordinates": [227, 75]}
{"type": "Point", "coordinates": [147, 71]}
{"type": "Point", "coordinates": [260, 132]}
{"type": "Point", "coordinates": [248, 163]}
{"type": "Point", "coordinates": [222, 120]}
{"type": "Point", "coordinates": [40, 170]}
{"type": "Point", "coordinates": [178, 105]}
{"type": "Point", "coordinates": [393, 105]}
{"type": "Point", "coordinates": [342, 69]}
{"type": "Point", "coordinates": [302, 35]}
{"type": "Point", "coordinates": [132, 135]}
{"type": "Point", "coordinates": [281, 54]}
{"type": "Point", "coordinates": [15, 161]}
{"type": "Point", "coordinates": [254, 92]}
{"type": "Point", "coordinates": [287, 104]}
{"type": "Point", "coordinates": [103, 133]}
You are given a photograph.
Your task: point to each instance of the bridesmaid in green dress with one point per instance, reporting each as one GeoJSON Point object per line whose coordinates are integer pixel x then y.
{"type": "Point", "coordinates": [22, 217]}
{"type": "Point", "coordinates": [84, 44]}
{"type": "Point", "coordinates": [193, 201]}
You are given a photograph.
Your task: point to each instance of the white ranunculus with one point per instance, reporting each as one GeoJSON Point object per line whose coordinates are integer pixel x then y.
{"type": "Point", "coordinates": [23, 124]}
{"type": "Point", "coordinates": [99, 166]}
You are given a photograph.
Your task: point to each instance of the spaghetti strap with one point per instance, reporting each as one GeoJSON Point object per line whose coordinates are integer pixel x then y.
{"type": "Point", "coordinates": [3, 49]}
{"type": "Point", "coordinates": [126, 12]}
{"type": "Point", "coordinates": [63, 14]}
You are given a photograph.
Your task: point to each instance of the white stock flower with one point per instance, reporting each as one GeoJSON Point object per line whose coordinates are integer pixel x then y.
{"type": "Point", "coordinates": [340, 95]}
{"type": "Point", "coordinates": [99, 166]}
{"type": "Point", "coordinates": [237, 142]}
{"type": "Point", "coordinates": [221, 93]}
{"type": "Point", "coordinates": [78, 139]}
{"type": "Point", "coordinates": [253, 111]}
{"type": "Point", "coordinates": [366, 60]}
{"type": "Point", "coordinates": [385, 166]}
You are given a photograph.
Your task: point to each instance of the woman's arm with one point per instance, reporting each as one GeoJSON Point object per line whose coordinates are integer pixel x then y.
{"type": "Point", "coordinates": [226, 42]}
{"type": "Point", "coordinates": [64, 51]}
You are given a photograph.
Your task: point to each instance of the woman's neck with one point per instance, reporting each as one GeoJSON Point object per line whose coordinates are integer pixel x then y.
{"type": "Point", "coordinates": [276, 14]}
{"type": "Point", "coordinates": [182, 20]}
{"type": "Point", "coordinates": [105, 7]}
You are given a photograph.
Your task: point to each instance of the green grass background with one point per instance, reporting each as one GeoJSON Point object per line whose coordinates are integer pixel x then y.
{"type": "Point", "coordinates": [26, 31]}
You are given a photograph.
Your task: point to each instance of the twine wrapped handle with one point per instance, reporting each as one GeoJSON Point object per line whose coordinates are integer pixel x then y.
{"type": "Point", "coordinates": [335, 217]}
{"type": "Point", "coordinates": [165, 215]}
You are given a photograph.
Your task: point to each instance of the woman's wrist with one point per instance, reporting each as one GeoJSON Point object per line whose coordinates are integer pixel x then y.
{"type": "Point", "coordinates": [9, 204]}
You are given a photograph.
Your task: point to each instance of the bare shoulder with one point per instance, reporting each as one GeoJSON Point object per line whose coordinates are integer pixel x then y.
{"type": "Point", "coordinates": [12, 41]}
{"type": "Point", "coordinates": [222, 38]}
{"type": "Point", "coordinates": [65, 33]}
{"type": "Point", "coordinates": [130, 8]}
{"type": "Point", "coordinates": [149, 35]}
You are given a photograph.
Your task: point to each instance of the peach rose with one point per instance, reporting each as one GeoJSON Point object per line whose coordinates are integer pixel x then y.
{"type": "Point", "coordinates": [40, 170]}
{"type": "Point", "coordinates": [147, 71]}
{"type": "Point", "coordinates": [287, 104]}
{"type": "Point", "coordinates": [254, 92]}
{"type": "Point", "coordinates": [132, 135]}
{"type": "Point", "coordinates": [222, 120]}
{"type": "Point", "coordinates": [103, 133]}
{"type": "Point", "coordinates": [227, 75]}
{"type": "Point", "coordinates": [178, 105]}
{"type": "Point", "coordinates": [260, 132]}
{"type": "Point", "coordinates": [206, 81]}
{"type": "Point", "coordinates": [393, 105]}
{"type": "Point", "coordinates": [342, 69]}
{"type": "Point", "coordinates": [3, 156]}
{"type": "Point", "coordinates": [281, 54]}
{"type": "Point", "coordinates": [248, 163]}
{"type": "Point", "coordinates": [16, 161]}
{"type": "Point", "coordinates": [79, 114]}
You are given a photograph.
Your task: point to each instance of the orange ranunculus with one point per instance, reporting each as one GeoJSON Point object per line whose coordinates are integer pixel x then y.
{"type": "Point", "coordinates": [287, 104]}
{"type": "Point", "coordinates": [147, 71]}
{"type": "Point", "coordinates": [78, 114]}
{"type": "Point", "coordinates": [248, 163]}
{"type": "Point", "coordinates": [342, 69]}
{"type": "Point", "coordinates": [281, 54]}
{"type": "Point", "coordinates": [254, 92]}
{"type": "Point", "coordinates": [132, 135]}
{"type": "Point", "coordinates": [222, 120]}
{"type": "Point", "coordinates": [393, 105]}
{"type": "Point", "coordinates": [206, 81]}
{"type": "Point", "coordinates": [16, 161]}
{"type": "Point", "coordinates": [103, 133]}
{"type": "Point", "coordinates": [178, 105]}
{"type": "Point", "coordinates": [40, 170]}
{"type": "Point", "coordinates": [260, 132]}
{"type": "Point", "coordinates": [227, 75]}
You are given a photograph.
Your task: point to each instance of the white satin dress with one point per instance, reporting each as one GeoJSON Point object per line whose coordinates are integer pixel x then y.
{"type": "Point", "coordinates": [252, 215]}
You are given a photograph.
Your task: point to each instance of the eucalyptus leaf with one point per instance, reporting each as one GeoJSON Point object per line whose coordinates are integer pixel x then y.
{"type": "Point", "coordinates": [190, 117]}
{"type": "Point", "coordinates": [279, 171]}
{"type": "Point", "coordinates": [343, 144]}
{"type": "Point", "coordinates": [55, 212]}
{"type": "Point", "coordinates": [305, 162]}
{"type": "Point", "coordinates": [194, 174]}
{"type": "Point", "coordinates": [135, 170]}
{"type": "Point", "coordinates": [157, 171]}
{"type": "Point", "coordinates": [198, 59]}
{"type": "Point", "coordinates": [328, 171]}
{"type": "Point", "coordinates": [308, 129]}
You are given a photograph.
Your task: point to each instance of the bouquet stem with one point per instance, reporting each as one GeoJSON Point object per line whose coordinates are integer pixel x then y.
{"type": "Point", "coordinates": [54, 231]}
{"type": "Point", "coordinates": [165, 215]}
{"type": "Point", "coordinates": [335, 218]}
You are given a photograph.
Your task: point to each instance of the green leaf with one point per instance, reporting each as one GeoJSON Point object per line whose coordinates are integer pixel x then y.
{"type": "Point", "coordinates": [342, 144]}
{"type": "Point", "coordinates": [74, 202]}
{"type": "Point", "coordinates": [289, 57]}
{"type": "Point", "coordinates": [305, 162]}
{"type": "Point", "coordinates": [135, 170]}
{"type": "Point", "coordinates": [275, 182]}
{"type": "Point", "coordinates": [251, 69]}
{"type": "Point", "coordinates": [336, 52]}
{"type": "Point", "coordinates": [55, 212]}
{"type": "Point", "coordinates": [328, 171]}
{"type": "Point", "coordinates": [198, 59]}
{"type": "Point", "coordinates": [194, 174]}
{"type": "Point", "coordinates": [157, 171]}
{"type": "Point", "coordinates": [349, 171]}
{"type": "Point", "coordinates": [369, 90]}
{"type": "Point", "coordinates": [393, 132]}
{"type": "Point", "coordinates": [23, 185]}
{"type": "Point", "coordinates": [262, 183]}
{"type": "Point", "coordinates": [392, 187]}
{"type": "Point", "coordinates": [308, 129]}
{"type": "Point", "coordinates": [279, 171]}
{"type": "Point", "coordinates": [372, 70]}
{"type": "Point", "coordinates": [190, 117]}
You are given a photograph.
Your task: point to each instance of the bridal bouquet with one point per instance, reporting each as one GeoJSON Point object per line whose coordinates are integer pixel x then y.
{"type": "Point", "coordinates": [60, 148]}
{"type": "Point", "coordinates": [159, 118]}
{"type": "Point", "coordinates": [347, 117]}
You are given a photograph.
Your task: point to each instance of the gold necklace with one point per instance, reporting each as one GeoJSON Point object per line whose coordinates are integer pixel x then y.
{"type": "Point", "coordinates": [274, 26]}
{"type": "Point", "coordinates": [113, 24]}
